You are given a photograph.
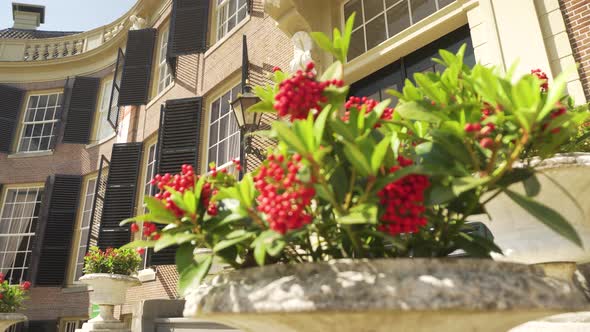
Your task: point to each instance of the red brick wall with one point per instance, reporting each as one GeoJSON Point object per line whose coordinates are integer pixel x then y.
{"type": "Point", "coordinates": [577, 20]}
{"type": "Point", "coordinates": [52, 303]}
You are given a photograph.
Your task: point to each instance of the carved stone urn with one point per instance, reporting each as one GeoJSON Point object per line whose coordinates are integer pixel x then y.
{"type": "Point", "coordinates": [383, 295]}
{"type": "Point", "coordinates": [9, 319]}
{"type": "Point", "coordinates": [107, 290]}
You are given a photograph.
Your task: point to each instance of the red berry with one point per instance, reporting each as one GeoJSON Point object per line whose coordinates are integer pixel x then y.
{"type": "Point", "coordinates": [134, 228]}
{"type": "Point", "coordinates": [486, 143]}
{"type": "Point", "coordinates": [140, 251]}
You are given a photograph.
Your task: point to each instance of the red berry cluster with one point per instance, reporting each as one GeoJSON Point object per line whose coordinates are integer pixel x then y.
{"type": "Point", "coordinates": [302, 93]}
{"type": "Point", "coordinates": [543, 77]}
{"type": "Point", "coordinates": [483, 132]}
{"type": "Point", "coordinates": [403, 201]}
{"type": "Point", "coordinates": [358, 102]}
{"type": "Point", "coordinates": [149, 230]}
{"type": "Point", "coordinates": [179, 182]}
{"type": "Point", "coordinates": [283, 197]}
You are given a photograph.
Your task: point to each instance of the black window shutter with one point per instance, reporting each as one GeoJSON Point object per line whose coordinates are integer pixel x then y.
{"type": "Point", "coordinates": [119, 200]}
{"type": "Point", "coordinates": [80, 111]}
{"type": "Point", "coordinates": [178, 144]}
{"type": "Point", "coordinates": [188, 27]}
{"type": "Point", "coordinates": [137, 69]}
{"type": "Point", "coordinates": [11, 100]}
{"type": "Point", "coordinates": [55, 229]}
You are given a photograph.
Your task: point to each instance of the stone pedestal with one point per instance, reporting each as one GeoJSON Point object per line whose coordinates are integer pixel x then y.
{"type": "Point", "coordinates": [108, 290]}
{"type": "Point", "coordinates": [7, 320]}
{"type": "Point", "coordinates": [385, 295]}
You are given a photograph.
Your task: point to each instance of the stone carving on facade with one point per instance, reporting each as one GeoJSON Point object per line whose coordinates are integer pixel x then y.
{"type": "Point", "coordinates": [302, 45]}
{"type": "Point", "coordinates": [138, 22]}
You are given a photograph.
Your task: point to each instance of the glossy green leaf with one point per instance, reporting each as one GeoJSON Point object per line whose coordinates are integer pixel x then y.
{"type": "Point", "coordinates": [223, 244]}
{"type": "Point", "coordinates": [357, 159]}
{"type": "Point", "coordinates": [415, 111]}
{"type": "Point", "coordinates": [363, 214]}
{"type": "Point", "coordinates": [379, 153]}
{"type": "Point", "coordinates": [184, 257]}
{"type": "Point", "coordinates": [192, 275]}
{"type": "Point", "coordinates": [289, 137]}
{"type": "Point", "coordinates": [158, 211]}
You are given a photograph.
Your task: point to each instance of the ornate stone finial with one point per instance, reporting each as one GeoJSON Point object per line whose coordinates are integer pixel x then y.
{"type": "Point", "coordinates": [302, 45]}
{"type": "Point", "coordinates": [138, 22]}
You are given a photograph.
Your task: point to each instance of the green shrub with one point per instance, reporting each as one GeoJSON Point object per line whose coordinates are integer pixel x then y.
{"type": "Point", "coordinates": [115, 261]}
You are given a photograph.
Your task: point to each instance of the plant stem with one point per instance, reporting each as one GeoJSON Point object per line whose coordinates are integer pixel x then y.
{"type": "Point", "coordinates": [348, 198]}
{"type": "Point", "coordinates": [472, 155]}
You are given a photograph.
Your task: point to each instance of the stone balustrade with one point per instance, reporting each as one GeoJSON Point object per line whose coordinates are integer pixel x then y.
{"type": "Point", "coordinates": [61, 47]}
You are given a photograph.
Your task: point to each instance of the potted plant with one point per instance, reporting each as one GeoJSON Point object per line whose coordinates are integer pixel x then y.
{"type": "Point", "coordinates": [109, 274]}
{"type": "Point", "coordinates": [353, 214]}
{"type": "Point", "coordinates": [11, 298]}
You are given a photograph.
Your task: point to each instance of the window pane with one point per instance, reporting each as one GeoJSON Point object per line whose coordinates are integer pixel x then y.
{"type": "Point", "coordinates": [422, 9]}
{"type": "Point", "coordinates": [225, 100]}
{"type": "Point", "coordinates": [372, 8]}
{"type": "Point", "coordinates": [222, 153]}
{"type": "Point", "coordinates": [443, 3]}
{"type": "Point", "coordinates": [376, 32]}
{"type": "Point", "coordinates": [354, 6]}
{"type": "Point", "coordinates": [213, 134]}
{"type": "Point", "coordinates": [223, 125]}
{"type": "Point", "coordinates": [398, 18]}
{"type": "Point", "coordinates": [212, 154]}
{"type": "Point", "coordinates": [357, 44]}
{"type": "Point", "coordinates": [43, 101]}
{"type": "Point", "coordinates": [215, 110]}
{"type": "Point", "coordinates": [242, 14]}
{"type": "Point", "coordinates": [232, 6]}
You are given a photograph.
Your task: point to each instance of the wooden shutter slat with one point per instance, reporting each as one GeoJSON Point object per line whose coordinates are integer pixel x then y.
{"type": "Point", "coordinates": [178, 144]}
{"type": "Point", "coordinates": [120, 195]}
{"type": "Point", "coordinates": [188, 27]}
{"type": "Point", "coordinates": [12, 99]}
{"type": "Point", "coordinates": [53, 240]}
{"type": "Point", "coordinates": [137, 68]}
{"type": "Point", "coordinates": [80, 111]}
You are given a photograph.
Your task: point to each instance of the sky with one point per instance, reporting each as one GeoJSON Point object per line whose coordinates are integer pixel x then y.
{"type": "Point", "coordinates": [70, 15]}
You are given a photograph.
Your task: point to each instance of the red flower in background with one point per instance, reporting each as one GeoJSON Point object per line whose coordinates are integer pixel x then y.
{"type": "Point", "coordinates": [25, 285]}
{"type": "Point", "coordinates": [543, 77]}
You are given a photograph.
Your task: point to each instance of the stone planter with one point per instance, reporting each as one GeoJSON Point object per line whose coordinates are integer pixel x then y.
{"type": "Point", "coordinates": [383, 295]}
{"type": "Point", "coordinates": [9, 319]}
{"type": "Point", "coordinates": [526, 240]}
{"type": "Point", "coordinates": [108, 290]}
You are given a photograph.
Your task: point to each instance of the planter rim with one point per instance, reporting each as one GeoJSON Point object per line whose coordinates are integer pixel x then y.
{"type": "Point", "coordinates": [384, 284]}
{"type": "Point", "coordinates": [572, 159]}
{"type": "Point", "coordinates": [112, 276]}
{"type": "Point", "coordinates": [13, 316]}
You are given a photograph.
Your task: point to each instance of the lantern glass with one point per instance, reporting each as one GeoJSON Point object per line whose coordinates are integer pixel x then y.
{"type": "Point", "coordinates": [240, 106]}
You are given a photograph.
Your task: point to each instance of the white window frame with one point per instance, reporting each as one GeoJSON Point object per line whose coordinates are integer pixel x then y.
{"type": "Point", "coordinates": [361, 16]}
{"type": "Point", "coordinates": [223, 16]}
{"type": "Point", "coordinates": [103, 111]}
{"type": "Point", "coordinates": [53, 122]}
{"type": "Point", "coordinates": [230, 115]}
{"type": "Point", "coordinates": [150, 172]}
{"type": "Point", "coordinates": [164, 75]}
{"type": "Point", "coordinates": [30, 233]}
{"type": "Point", "coordinates": [85, 212]}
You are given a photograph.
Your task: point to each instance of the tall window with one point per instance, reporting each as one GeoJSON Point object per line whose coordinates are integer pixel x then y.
{"type": "Point", "coordinates": [18, 221]}
{"type": "Point", "coordinates": [378, 20]}
{"type": "Point", "coordinates": [84, 229]}
{"type": "Point", "coordinates": [224, 134]}
{"type": "Point", "coordinates": [39, 124]}
{"type": "Point", "coordinates": [150, 172]}
{"type": "Point", "coordinates": [229, 14]}
{"type": "Point", "coordinates": [104, 127]}
{"type": "Point", "coordinates": [164, 75]}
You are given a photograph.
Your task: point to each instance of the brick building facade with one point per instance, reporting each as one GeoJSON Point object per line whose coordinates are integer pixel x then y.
{"type": "Point", "coordinates": [204, 78]}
